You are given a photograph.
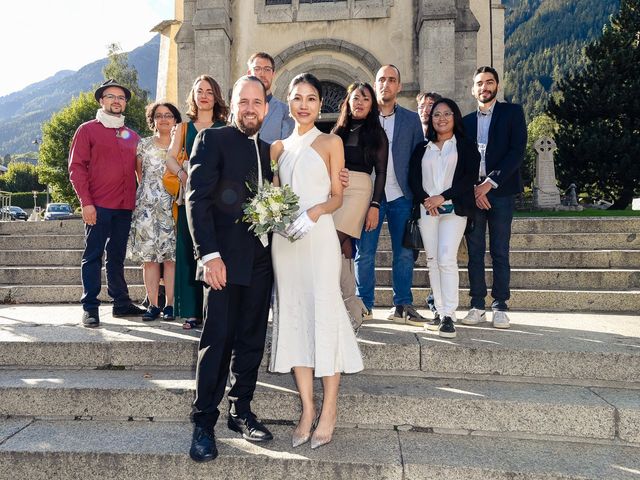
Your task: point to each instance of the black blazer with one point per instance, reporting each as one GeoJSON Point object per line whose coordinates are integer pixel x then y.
{"type": "Point", "coordinates": [506, 145]}
{"type": "Point", "coordinates": [223, 176]}
{"type": "Point", "coordinates": [464, 176]}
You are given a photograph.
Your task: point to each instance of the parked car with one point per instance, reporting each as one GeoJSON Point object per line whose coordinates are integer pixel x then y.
{"type": "Point", "coordinates": [16, 213]}
{"type": "Point", "coordinates": [57, 211]}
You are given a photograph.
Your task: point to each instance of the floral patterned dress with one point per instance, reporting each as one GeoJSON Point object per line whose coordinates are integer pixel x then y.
{"type": "Point", "coordinates": [152, 237]}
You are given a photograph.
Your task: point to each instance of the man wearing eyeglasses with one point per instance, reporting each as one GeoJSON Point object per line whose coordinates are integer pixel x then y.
{"type": "Point", "coordinates": [102, 164]}
{"type": "Point", "coordinates": [277, 124]}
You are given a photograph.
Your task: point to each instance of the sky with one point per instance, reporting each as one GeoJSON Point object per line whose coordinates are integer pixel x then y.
{"type": "Point", "coordinates": [41, 37]}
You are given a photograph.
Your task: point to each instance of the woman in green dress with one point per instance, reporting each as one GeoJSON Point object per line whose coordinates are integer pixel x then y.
{"type": "Point", "coordinates": [206, 109]}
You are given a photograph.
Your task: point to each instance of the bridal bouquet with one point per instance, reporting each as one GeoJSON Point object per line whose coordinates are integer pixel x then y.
{"type": "Point", "coordinates": [271, 210]}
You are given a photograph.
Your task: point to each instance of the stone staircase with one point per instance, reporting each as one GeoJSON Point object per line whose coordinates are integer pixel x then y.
{"type": "Point", "coordinates": [557, 265]}
{"type": "Point", "coordinates": [555, 397]}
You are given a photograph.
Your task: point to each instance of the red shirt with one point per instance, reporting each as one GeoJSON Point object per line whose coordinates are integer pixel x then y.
{"type": "Point", "coordinates": [102, 165]}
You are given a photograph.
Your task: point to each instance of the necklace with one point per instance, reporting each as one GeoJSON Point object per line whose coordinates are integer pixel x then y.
{"type": "Point", "coordinates": [356, 127]}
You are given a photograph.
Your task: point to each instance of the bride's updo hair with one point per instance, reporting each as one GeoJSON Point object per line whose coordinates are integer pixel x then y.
{"type": "Point", "coordinates": [306, 78]}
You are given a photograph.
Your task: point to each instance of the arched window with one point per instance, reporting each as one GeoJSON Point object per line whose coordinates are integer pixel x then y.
{"type": "Point", "coordinates": [332, 96]}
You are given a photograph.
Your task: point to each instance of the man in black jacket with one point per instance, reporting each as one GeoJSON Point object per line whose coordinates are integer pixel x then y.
{"type": "Point", "coordinates": [235, 266]}
{"type": "Point", "coordinates": [501, 134]}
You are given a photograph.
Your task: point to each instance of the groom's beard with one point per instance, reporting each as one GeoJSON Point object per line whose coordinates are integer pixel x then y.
{"type": "Point", "coordinates": [249, 127]}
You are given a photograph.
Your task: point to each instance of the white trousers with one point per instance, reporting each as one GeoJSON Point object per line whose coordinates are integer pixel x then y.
{"type": "Point", "coordinates": [441, 236]}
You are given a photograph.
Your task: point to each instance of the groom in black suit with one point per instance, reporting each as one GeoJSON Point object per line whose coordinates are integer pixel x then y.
{"type": "Point", "coordinates": [235, 266]}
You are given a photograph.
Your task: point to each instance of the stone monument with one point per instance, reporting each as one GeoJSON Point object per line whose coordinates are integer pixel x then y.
{"type": "Point", "coordinates": [546, 194]}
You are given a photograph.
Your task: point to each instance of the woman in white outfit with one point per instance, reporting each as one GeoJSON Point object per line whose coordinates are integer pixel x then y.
{"type": "Point", "coordinates": [442, 174]}
{"type": "Point", "coordinates": [312, 332]}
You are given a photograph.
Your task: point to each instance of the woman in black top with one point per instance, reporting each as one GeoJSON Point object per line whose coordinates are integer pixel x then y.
{"type": "Point", "coordinates": [366, 149]}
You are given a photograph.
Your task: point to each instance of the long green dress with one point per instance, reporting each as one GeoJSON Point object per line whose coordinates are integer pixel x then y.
{"type": "Point", "coordinates": [188, 290]}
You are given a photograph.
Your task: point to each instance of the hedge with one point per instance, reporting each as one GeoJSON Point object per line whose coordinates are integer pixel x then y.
{"type": "Point", "coordinates": [25, 199]}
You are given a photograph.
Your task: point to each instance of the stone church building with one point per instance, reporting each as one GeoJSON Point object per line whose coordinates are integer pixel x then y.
{"type": "Point", "coordinates": [436, 44]}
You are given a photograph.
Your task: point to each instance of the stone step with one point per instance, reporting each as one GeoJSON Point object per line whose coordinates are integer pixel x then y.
{"type": "Point", "coordinates": [582, 279]}
{"type": "Point", "coordinates": [41, 242]}
{"type": "Point", "coordinates": [520, 225]}
{"type": "Point", "coordinates": [49, 227]}
{"type": "Point", "coordinates": [545, 300]}
{"type": "Point", "coordinates": [518, 408]}
{"type": "Point", "coordinates": [541, 300]}
{"type": "Point", "coordinates": [561, 241]}
{"type": "Point", "coordinates": [519, 241]}
{"type": "Point", "coordinates": [574, 348]}
{"type": "Point", "coordinates": [85, 450]}
{"type": "Point", "coordinates": [518, 258]}
{"type": "Point", "coordinates": [537, 259]}
{"type": "Point", "coordinates": [587, 279]}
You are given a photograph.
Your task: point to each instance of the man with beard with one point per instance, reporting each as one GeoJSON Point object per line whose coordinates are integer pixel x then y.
{"type": "Point", "coordinates": [234, 264]}
{"type": "Point", "coordinates": [277, 124]}
{"type": "Point", "coordinates": [102, 165]}
{"type": "Point", "coordinates": [501, 134]}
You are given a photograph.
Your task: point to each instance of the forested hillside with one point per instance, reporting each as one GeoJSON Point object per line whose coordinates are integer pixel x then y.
{"type": "Point", "coordinates": [543, 41]}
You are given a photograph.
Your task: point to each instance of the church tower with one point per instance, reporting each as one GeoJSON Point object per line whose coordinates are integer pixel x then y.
{"type": "Point", "coordinates": [436, 44]}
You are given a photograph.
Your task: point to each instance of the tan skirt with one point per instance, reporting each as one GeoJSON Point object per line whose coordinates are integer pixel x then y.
{"type": "Point", "coordinates": [349, 218]}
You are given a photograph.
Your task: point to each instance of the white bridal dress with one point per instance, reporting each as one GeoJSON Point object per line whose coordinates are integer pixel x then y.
{"type": "Point", "coordinates": [311, 327]}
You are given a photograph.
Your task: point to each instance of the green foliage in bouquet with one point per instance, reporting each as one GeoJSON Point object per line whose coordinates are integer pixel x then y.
{"type": "Point", "coordinates": [271, 210]}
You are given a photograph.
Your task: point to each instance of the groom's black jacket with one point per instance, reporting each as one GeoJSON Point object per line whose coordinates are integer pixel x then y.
{"type": "Point", "coordinates": [223, 176]}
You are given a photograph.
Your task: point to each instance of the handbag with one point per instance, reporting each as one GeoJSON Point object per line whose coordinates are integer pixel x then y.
{"type": "Point", "coordinates": [170, 180]}
{"type": "Point", "coordinates": [412, 238]}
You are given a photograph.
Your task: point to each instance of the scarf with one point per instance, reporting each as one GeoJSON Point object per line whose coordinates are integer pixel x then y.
{"type": "Point", "coordinates": [109, 121]}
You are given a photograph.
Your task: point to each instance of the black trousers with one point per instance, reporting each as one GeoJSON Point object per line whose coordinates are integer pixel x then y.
{"type": "Point", "coordinates": [110, 234]}
{"type": "Point", "coordinates": [232, 342]}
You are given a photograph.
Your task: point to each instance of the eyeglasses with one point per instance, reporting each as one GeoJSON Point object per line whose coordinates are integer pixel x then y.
{"type": "Point", "coordinates": [111, 96]}
{"type": "Point", "coordinates": [262, 69]}
{"type": "Point", "coordinates": [166, 116]}
{"type": "Point", "coordinates": [439, 115]}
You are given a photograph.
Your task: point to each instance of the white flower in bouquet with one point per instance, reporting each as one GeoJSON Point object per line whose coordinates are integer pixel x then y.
{"type": "Point", "coordinates": [271, 210]}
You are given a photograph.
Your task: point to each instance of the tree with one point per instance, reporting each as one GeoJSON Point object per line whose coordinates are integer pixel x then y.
{"type": "Point", "coordinates": [20, 177]}
{"type": "Point", "coordinates": [540, 126]}
{"type": "Point", "coordinates": [6, 160]}
{"type": "Point", "coordinates": [58, 132]}
{"type": "Point", "coordinates": [598, 114]}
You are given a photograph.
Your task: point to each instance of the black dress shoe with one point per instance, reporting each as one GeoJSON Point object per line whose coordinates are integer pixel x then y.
{"type": "Point", "coordinates": [203, 444]}
{"type": "Point", "coordinates": [130, 310]}
{"type": "Point", "coordinates": [90, 318]}
{"type": "Point", "coordinates": [250, 428]}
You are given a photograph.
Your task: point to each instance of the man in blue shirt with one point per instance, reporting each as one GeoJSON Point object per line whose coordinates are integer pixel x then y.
{"type": "Point", "coordinates": [277, 124]}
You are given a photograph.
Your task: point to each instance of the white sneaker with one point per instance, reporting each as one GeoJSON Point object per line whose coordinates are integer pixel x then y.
{"type": "Point", "coordinates": [500, 319]}
{"type": "Point", "coordinates": [474, 317]}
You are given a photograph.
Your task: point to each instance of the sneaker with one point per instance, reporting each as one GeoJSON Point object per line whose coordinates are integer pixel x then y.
{"type": "Point", "coordinates": [396, 314]}
{"type": "Point", "coordinates": [368, 315]}
{"type": "Point", "coordinates": [152, 313]}
{"type": "Point", "coordinates": [474, 317]}
{"type": "Point", "coordinates": [447, 330]}
{"type": "Point", "coordinates": [167, 313]}
{"type": "Point", "coordinates": [90, 318]}
{"type": "Point", "coordinates": [433, 325]}
{"type": "Point", "coordinates": [412, 317]}
{"type": "Point", "coordinates": [500, 319]}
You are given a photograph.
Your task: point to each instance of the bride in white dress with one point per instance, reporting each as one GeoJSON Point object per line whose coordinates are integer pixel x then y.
{"type": "Point", "coordinates": [312, 333]}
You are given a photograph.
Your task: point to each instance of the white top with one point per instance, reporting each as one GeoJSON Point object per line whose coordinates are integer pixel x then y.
{"type": "Point", "coordinates": [439, 166]}
{"type": "Point", "coordinates": [392, 188]}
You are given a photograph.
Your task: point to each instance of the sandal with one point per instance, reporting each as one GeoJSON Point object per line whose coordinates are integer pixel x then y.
{"type": "Point", "coordinates": [191, 323]}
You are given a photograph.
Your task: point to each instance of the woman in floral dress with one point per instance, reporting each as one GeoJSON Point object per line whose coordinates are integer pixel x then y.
{"type": "Point", "coordinates": [152, 239]}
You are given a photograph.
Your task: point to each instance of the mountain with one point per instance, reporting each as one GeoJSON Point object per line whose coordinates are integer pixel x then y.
{"type": "Point", "coordinates": [22, 113]}
{"type": "Point", "coordinates": [544, 40]}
